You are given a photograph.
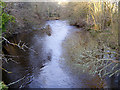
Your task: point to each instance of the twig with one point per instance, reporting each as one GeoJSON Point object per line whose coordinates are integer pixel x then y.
{"type": "Point", "coordinates": [5, 70]}
{"type": "Point", "coordinates": [2, 55]}
{"type": "Point", "coordinates": [114, 61]}
{"type": "Point", "coordinates": [7, 59]}
{"type": "Point", "coordinates": [114, 73]}
{"type": "Point", "coordinates": [16, 81]}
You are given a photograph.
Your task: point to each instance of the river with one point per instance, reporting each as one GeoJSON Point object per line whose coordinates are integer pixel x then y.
{"type": "Point", "coordinates": [44, 70]}
{"type": "Point", "coordinates": [52, 75]}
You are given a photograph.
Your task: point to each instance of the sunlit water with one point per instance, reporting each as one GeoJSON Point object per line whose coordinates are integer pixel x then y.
{"type": "Point", "coordinates": [52, 75]}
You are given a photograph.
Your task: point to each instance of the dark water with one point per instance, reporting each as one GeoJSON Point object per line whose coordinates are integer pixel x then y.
{"type": "Point", "coordinates": [43, 69]}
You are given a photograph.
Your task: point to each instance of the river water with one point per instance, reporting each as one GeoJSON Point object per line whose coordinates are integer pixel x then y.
{"type": "Point", "coordinates": [43, 70]}
{"type": "Point", "coordinates": [52, 75]}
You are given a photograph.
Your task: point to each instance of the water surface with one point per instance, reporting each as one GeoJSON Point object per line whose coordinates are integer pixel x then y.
{"type": "Point", "coordinates": [44, 69]}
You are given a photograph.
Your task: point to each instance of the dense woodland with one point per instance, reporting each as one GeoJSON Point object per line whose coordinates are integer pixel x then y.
{"type": "Point", "coordinates": [98, 23]}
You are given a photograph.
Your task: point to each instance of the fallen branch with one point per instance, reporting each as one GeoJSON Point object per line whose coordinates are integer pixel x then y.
{"type": "Point", "coordinates": [16, 81]}
{"type": "Point", "coordinates": [18, 45]}
{"type": "Point", "coordinates": [7, 59]}
{"type": "Point", "coordinates": [2, 55]}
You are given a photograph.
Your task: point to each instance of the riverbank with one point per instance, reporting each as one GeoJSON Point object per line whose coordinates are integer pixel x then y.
{"type": "Point", "coordinates": [77, 42]}
{"type": "Point", "coordinates": [84, 52]}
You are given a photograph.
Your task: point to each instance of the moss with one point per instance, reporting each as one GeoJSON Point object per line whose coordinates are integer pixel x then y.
{"type": "Point", "coordinates": [3, 86]}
